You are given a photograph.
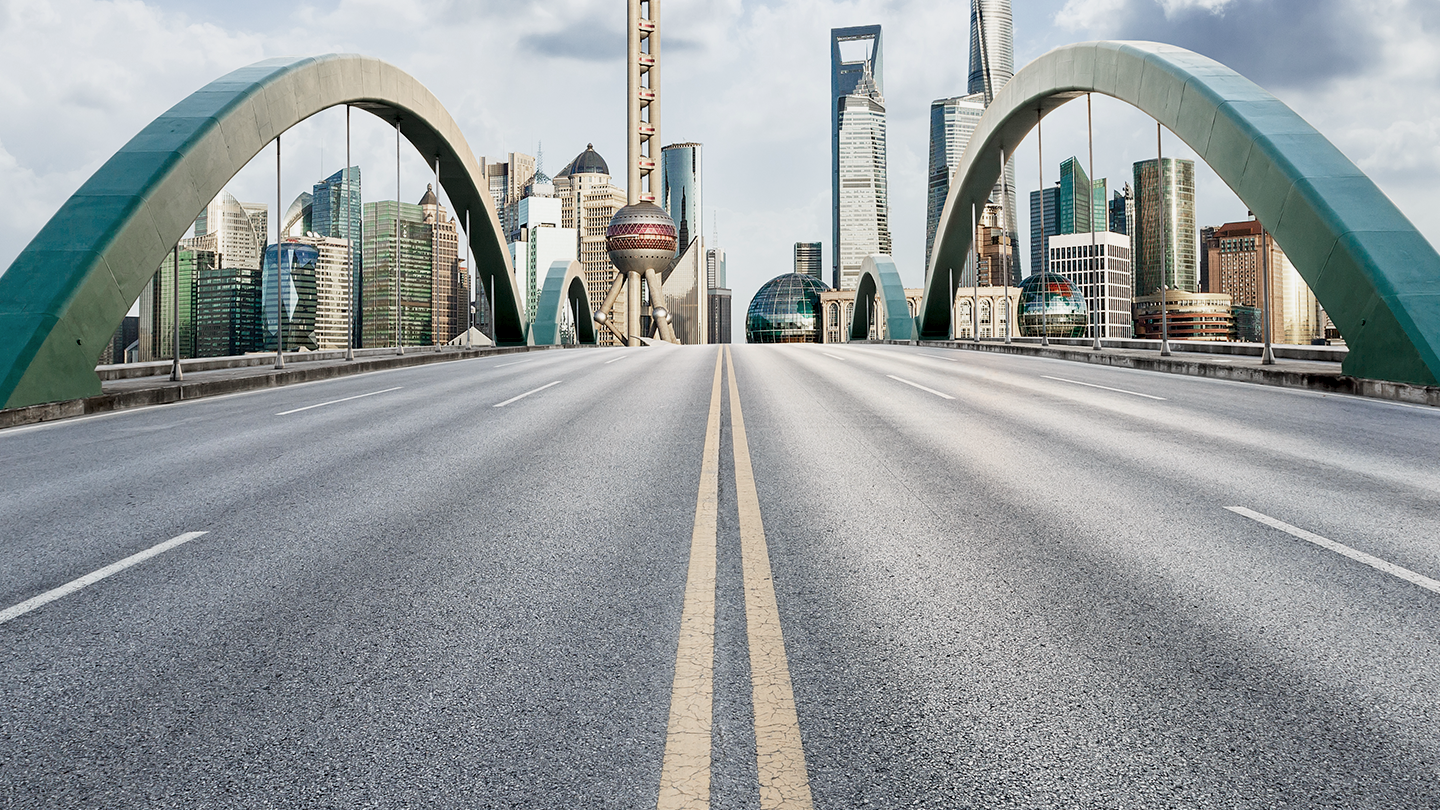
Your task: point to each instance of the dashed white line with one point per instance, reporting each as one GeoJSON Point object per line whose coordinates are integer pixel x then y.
{"type": "Point", "coordinates": [526, 394]}
{"type": "Point", "coordinates": [1105, 387]}
{"type": "Point", "coordinates": [835, 356]}
{"type": "Point", "coordinates": [334, 401]}
{"type": "Point", "coordinates": [918, 385]}
{"type": "Point", "coordinates": [1340, 548]}
{"type": "Point", "coordinates": [938, 357]}
{"type": "Point", "coordinates": [616, 360]}
{"type": "Point", "coordinates": [92, 578]}
{"type": "Point", "coordinates": [516, 363]}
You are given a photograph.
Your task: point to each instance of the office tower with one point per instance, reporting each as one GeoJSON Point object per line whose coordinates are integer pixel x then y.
{"type": "Point", "coordinates": [299, 217]}
{"type": "Point", "coordinates": [1119, 211]}
{"type": "Point", "coordinates": [681, 189]}
{"type": "Point", "coordinates": [234, 231]}
{"type": "Point", "coordinates": [808, 259]}
{"type": "Point", "coordinates": [156, 330]}
{"type": "Point", "coordinates": [1164, 209]}
{"type": "Point", "coordinates": [407, 264]}
{"type": "Point", "coordinates": [227, 306]}
{"type": "Point", "coordinates": [333, 280]}
{"type": "Point", "coordinates": [1236, 267]}
{"type": "Point", "coordinates": [1050, 198]}
{"type": "Point", "coordinates": [715, 268]}
{"type": "Point", "coordinates": [860, 195]}
{"type": "Point", "coordinates": [992, 263]}
{"type": "Point", "coordinates": [336, 206]}
{"type": "Point", "coordinates": [506, 181]}
{"type": "Point", "coordinates": [717, 294]}
{"type": "Point", "coordinates": [121, 344]}
{"type": "Point", "coordinates": [542, 242]}
{"type": "Point", "coordinates": [952, 122]}
{"type": "Point", "coordinates": [588, 201]}
{"type": "Point", "coordinates": [1099, 264]}
{"type": "Point", "coordinates": [1075, 207]}
{"type": "Point", "coordinates": [296, 290]}
{"type": "Point", "coordinates": [992, 65]}
{"type": "Point", "coordinates": [449, 286]}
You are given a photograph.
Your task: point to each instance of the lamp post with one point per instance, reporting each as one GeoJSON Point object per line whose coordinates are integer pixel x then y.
{"type": "Point", "coordinates": [1097, 267]}
{"type": "Point", "coordinates": [1044, 247]}
{"type": "Point", "coordinates": [279, 305]}
{"type": "Point", "coordinates": [1267, 357]}
{"type": "Point", "coordinates": [1164, 248]}
{"type": "Point", "coordinates": [175, 374]}
{"type": "Point", "coordinates": [350, 243]}
{"type": "Point", "coordinates": [399, 307]}
{"type": "Point", "coordinates": [1005, 226]}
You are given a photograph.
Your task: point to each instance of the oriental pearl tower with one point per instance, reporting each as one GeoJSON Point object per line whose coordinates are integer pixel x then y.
{"type": "Point", "coordinates": [642, 239]}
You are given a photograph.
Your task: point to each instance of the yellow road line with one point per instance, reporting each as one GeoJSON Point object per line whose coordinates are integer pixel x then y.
{"type": "Point", "coordinates": [685, 773]}
{"type": "Point", "coordinates": [784, 783]}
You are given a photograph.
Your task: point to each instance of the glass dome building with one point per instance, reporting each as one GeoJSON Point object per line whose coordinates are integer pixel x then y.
{"type": "Point", "coordinates": [785, 310]}
{"type": "Point", "coordinates": [1050, 304]}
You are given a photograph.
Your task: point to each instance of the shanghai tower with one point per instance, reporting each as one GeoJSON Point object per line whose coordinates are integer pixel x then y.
{"type": "Point", "coordinates": [992, 64]}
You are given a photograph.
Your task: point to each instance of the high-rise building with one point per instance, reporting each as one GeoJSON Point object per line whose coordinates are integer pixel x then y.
{"type": "Point", "coordinates": [681, 189]}
{"type": "Point", "coordinates": [1099, 264]}
{"type": "Point", "coordinates": [1082, 203]}
{"type": "Point", "coordinates": [588, 201]}
{"type": "Point", "coordinates": [1120, 211]}
{"type": "Point", "coordinates": [542, 241]}
{"type": "Point", "coordinates": [449, 283]}
{"type": "Point", "coordinates": [952, 122]}
{"type": "Point", "coordinates": [398, 253]}
{"type": "Point", "coordinates": [156, 327]}
{"type": "Point", "coordinates": [715, 268]}
{"type": "Point", "coordinates": [1164, 234]}
{"type": "Point", "coordinates": [119, 348]}
{"type": "Point", "coordinates": [993, 255]}
{"type": "Point", "coordinates": [332, 288]}
{"type": "Point", "coordinates": [1236, 265]}
{"type": "Point", "coordinates": [808, 259]}
{"type": "Point", "coordinates": [234, 231]}
{"type": "Point", "coordinates": [1044, 208]}
{"type": "Point", "coordinates": [717, 294]}
{"type": "Point", "coordinates": [861, 212]}
{"type": "Point", "coordinates": [299, 217]}
{"type": "Point", "coordinates": [506, 180]}
{"type": "Point", "coordinates": [227, 306]}
{"type": "Point", "coordinates": [992, 46]}
{"type": "Point", "coordinates": [337, 207]}
{"type": "Point", "coordinates": [296, 291]}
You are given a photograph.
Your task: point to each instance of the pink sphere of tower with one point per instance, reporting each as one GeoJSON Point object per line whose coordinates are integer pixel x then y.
{"type": "Point", "coordinates": [641, 237]}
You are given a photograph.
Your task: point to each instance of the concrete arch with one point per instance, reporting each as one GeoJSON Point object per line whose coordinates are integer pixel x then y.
{"type": "Point", "coordinates": [878, 275]}
{"type": "Point", "coordinates": [1376, 275]}
{"type": "Point", "coordinates": [70, 287]}
{"type": "Point", "coordinates": [564, 287]}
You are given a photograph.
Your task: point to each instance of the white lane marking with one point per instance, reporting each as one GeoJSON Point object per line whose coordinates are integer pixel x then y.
{"type": "Point", "coordinates": [835, 356]}
{"type": "Point", "coordinates": [92, 578]}
{"type": "Point", "coordinates": [938, 357]}
{"type": "Point", "coordinates": [616, 360]}
{"type": "Point", "coordinates": [516, 363]}
{"type": "Point", "coordinates": [334, 401]}
{"type": "Point", "coordinates": [918, 385]}
{"type": "Point", "coordinates": [1105, 387]}
{"type": "Point", "coordinates": [526, 394]}
{"type": "Point", "coordinates": [1340, 548]}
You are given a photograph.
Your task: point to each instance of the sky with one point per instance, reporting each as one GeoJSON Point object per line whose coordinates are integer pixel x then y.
{"type": "Point", "coordinates": [747, 78]}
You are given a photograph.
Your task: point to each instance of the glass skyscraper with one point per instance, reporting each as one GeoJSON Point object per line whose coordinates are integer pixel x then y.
{"type": "Point", "coordinates": [680, 195]}
{"type": "Point", "coordinates": [860, 192]}
{"type": "Point", "coordinates": [952, 122]}
{"type": "Point", "coordinates": [296, 293]}
{"type": "Point", "coordinates": [1164, 233]}
{"type": "Point", "coordinates": [227, 304]}
{"type": "Point", "coordinates": [383, 257]}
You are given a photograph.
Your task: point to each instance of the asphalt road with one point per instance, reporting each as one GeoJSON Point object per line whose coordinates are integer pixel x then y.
{"type": "Point", "coordinates": [1002, 581]}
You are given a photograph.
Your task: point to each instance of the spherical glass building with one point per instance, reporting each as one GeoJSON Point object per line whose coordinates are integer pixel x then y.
{"type": "Point", "coordinates": [786, 310]}
{"type": "Point", "coordinates": [1051, 305]}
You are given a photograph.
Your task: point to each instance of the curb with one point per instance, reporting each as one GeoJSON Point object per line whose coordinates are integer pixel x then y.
{"type": "Point", "coordinates": [1307, 380]}
{"type": "Point", "coordinates": [167, 394]}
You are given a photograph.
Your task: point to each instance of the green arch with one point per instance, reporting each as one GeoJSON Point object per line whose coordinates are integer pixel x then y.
{"type": "Point", "coordinates": [68, 290]}
{"type": "Point", "coordinates": [880, 281]}
{"type": "Point", "coordinates": [1376, 275]}
{"type": "Point", "coordinates": [564, 286]}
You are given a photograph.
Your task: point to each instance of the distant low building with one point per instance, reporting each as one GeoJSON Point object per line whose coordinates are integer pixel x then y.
{"type": "Point", "coordinates": [837, 308]}
{"type": "Point", "coordinates": [1191, 316]}
{"type": "Point", "coordinates": [989, 309]}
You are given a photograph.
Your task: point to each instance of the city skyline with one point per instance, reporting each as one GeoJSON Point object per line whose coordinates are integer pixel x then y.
{"type": "Point", "coordinates": [1393, 153]}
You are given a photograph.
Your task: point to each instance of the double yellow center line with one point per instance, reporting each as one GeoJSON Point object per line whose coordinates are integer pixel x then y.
{"type": "Point", "coordinates": [780, 759]}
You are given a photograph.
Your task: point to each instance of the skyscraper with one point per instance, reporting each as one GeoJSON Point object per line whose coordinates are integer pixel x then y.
{"type": "Point", "coordinates": [449, 285]}
{"type": "Point", "coordinates": [296, 288]}
{"type": "Point", "coordinates": [808, 258]}
{"type": "Point", "coordinates": [382, 258]}
{"type": "Point", "coordinates": [1237, 268]}
{"type": "Point", "coordinates": [542, 241]}
{"type": "Point", "coordinates": [507, 180]}
{"type": "Point", "coordinates": [157, 304]}
{"type": "Point", "coordinates": [952, 122]}
{"type": "Point", "coordinates": [859, 187]}
{"type": "Point", "coordinates": [681, 189]}
{"type": "Point", "coordinates": [992, 65]}
{"type": "Point", "coordinates": [1048, 201]}
{"type": "Point", "coordinates": [588, 201]}
{"type": "Point", "coordinates": [1164, 234]}
{"type": "Point", "coordinates": [336, 201]}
